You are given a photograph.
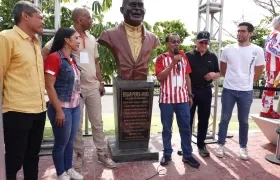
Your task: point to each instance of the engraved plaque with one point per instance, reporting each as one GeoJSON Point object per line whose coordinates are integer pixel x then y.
{"type": "Point", "coordinates": [135, 114]}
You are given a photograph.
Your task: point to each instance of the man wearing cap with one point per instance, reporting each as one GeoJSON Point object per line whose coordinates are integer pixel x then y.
{"type": "Point", "coordinates": [205, 69]}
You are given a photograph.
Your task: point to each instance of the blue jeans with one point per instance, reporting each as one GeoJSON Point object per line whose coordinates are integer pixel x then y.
{"type": "Point", "coordinates": [62, 152]}
{"type": "Point", "coordinates": [243, 99]}
{"type": "Point", "coordinates": [182, 111]}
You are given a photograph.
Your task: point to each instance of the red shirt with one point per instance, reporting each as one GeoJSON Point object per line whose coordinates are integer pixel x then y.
{"type": "Point", "coordinates": [52, 66]}
{"type": "Point", "coordinates": [272, 52]}
{"type": "Point", "coordinates": [174, 88]}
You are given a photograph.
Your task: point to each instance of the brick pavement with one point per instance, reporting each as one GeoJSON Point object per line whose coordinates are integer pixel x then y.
{"type": "Point", "coordinates": [212, 168]}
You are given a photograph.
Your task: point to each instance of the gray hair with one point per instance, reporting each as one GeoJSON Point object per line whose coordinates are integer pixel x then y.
{"type": "Point", "coordinates": [275, 22]}
{"type": "Point", "coordinates": [24, 6]}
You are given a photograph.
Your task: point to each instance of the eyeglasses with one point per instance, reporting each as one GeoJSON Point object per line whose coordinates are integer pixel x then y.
{"type": "Point", "coordinates": [175, 41]}
{"type": "Point", "coordinates": [241, 31]}
{"type": "Point", "coordinates": [203, 42]}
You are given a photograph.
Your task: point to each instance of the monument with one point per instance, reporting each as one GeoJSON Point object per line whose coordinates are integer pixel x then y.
{"type": "Point", "coordinates": [131, 45]}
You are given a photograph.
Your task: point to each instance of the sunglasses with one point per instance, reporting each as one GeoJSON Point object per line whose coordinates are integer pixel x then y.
{"type": "Point", "coordinates": [175, 41]}
{"type": "Point", "coordinates": [204, 42]}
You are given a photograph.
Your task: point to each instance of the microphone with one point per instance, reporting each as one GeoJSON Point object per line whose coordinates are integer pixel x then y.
{"type": "Point", "coordinates": [176, 52]}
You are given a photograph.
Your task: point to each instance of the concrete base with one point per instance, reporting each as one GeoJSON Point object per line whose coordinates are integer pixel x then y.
{"type": "Point", "coordinates": [267, 126]}
{"type": "Point", "coordinates": [129, 155]}
{"type": "Point", "coordinates": [272, 158]}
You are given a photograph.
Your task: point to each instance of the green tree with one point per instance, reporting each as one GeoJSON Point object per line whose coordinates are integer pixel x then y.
{"type": "Point", "coordinates": [162, 29]}
{"type": "Point", "coordinates": [260, 33]}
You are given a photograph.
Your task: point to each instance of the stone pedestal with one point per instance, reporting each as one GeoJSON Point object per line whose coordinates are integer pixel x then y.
{"type": "Point", "coordinates": [267, 126]}
{"type": "Point", "coordinates": [133, 101]}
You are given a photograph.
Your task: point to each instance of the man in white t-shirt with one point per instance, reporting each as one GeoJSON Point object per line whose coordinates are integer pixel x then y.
{"type": "Point", "coordinates": [242, 64]}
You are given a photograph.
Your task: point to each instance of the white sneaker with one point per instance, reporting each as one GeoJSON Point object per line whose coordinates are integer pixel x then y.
{"type": "Point", "coordinates": [78, 163]}
{"type": "Point", "coordinates": [74, 174]}
{"type": "Point", "coordinates": [243, 154]}
{"type": "Point", "coordinates": [63, 176]}
{"type": "Point", "coordinates": [220, 152]}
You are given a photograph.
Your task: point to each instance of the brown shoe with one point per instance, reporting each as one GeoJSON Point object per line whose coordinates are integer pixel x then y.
{"type": "Point", "coordinates": [78, 163]}
{"type": "Point", "coordinates": [106, 161]}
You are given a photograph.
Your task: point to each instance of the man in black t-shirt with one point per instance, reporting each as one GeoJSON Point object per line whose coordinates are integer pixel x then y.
{"type": "Point", "coordinates": [205, 69]}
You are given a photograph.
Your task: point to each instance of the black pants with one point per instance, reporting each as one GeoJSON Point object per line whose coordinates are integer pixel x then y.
{"type": "Point", "coordinates": [202, 100]}
{"type": "Point", "coordinates": [23, 134]}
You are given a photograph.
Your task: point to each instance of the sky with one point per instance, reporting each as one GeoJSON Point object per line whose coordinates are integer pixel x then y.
{"type": "Point", "coordinates": [187, 12]}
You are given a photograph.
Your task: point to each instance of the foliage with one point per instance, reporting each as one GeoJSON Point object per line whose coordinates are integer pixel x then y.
{"type": "Point", "coordinates": [6, 19]}
{"type": "Point", "coordinates": [107, 60]}
{"type": "Point", "coordinates": [272, 6]}
{"type": "Point", "coordinates": [162, 29]}
{"type": "Point", "coordinates": [259, 35]}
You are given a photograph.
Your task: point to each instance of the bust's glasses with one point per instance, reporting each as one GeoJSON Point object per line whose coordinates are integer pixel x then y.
{"type": "Point", "coordinates": [175, 41]}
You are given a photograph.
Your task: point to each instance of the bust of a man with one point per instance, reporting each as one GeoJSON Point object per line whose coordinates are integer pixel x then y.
{"type": "Point", "coordinates": [130, 43]}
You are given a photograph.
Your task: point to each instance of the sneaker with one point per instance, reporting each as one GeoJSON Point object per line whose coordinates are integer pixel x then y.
{"type": "Point", "coordinates": [74, 174]}
{"type": "Point", "coordinates": [63, 176]}
{"type": "Point", "coordinates": [191, 161]}
{"type": "Point", "coordinates": [204, 152]}
{"type": "Point", "coordinates": [78, 163]}
{"type": "Point", "coordinates": [243, 154]}
{"type": "Point", "coordinates": [106, 161]}
{"type": "Point", "coordinates": [220, 152]}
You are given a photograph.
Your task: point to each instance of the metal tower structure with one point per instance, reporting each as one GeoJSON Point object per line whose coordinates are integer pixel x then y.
{"type": "Point", "coordinates": [57, 10]}
{"type": "Point", "coordinates": [210, 18]}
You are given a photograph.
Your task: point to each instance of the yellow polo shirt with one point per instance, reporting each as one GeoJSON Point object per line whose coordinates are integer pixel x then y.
{"type": "Point", "coordinates": [21, 72]}
{"type": "Point", "coordinates": [134, 37]}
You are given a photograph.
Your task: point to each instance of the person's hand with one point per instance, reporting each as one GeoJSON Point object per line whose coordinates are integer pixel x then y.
{"type": "Point", "coordinates": [177, 58]}
{"type": "Point", "coordinates": [102, 89]}
{"type": "Point", "coordinates": [60, 118]}
{"type": "Point", "coordinates": [190, 101]}
{"type": "Point", "coordinates": [210, 76]}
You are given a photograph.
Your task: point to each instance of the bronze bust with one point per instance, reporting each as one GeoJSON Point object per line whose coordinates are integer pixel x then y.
{"type": "Point", "coordinates": [130, 43]}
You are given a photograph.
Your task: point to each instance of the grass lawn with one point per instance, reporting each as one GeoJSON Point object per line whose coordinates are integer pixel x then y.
{"type": "Point", "coordinates": [109, 125]}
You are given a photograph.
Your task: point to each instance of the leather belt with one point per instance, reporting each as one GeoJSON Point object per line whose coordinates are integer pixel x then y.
{"type": "Point", "coordinates": [202, 86]}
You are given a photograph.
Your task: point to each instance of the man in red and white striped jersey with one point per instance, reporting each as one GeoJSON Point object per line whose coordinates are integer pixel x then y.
{"type": "Point", "coordinates": [172, 71]}
{"type": "Point", "coordinates": [272, 69]}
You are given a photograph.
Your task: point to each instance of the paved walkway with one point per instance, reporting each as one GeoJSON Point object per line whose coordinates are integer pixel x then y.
{"type": "Point", "coordinates": [213, 168]}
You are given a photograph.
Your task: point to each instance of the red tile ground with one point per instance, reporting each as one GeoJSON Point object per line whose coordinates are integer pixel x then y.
{"type": "Point", "coordinates": [213, 168]}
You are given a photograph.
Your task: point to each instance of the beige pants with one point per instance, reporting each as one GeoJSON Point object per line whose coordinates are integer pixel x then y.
{"type": "Point", "coordinates": [92, 101]}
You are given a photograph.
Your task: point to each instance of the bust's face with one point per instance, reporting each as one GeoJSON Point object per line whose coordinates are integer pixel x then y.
{"type": "Point", "coordinates": [133, 12]}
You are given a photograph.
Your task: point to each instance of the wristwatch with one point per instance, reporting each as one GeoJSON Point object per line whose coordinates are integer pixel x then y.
{"type": "Point", "coordinates": [191, 95]}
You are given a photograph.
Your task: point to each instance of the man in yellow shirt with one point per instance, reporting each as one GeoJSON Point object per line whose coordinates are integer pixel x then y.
{"type": "Point", "coordinates": [22, 82]}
